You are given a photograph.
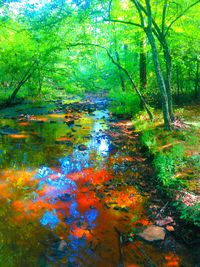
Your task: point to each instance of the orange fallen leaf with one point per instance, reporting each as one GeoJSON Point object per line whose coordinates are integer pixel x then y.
{"type": "Point", "coordinates": [63, 139]}
{"type": "Point", "coordinates": [18, 136]}
{"type": "Point", "coordinates": [24, 123]}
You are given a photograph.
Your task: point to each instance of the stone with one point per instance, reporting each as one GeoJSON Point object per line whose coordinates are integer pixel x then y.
{"type": "Point", "coordinates": [82, 147]}
{"type": "Point", "coordinates": [62, 245]}
{"type": "Point", "coordinates": [153, 233]}
{"type": "Point", "coordinates": [164, 221]}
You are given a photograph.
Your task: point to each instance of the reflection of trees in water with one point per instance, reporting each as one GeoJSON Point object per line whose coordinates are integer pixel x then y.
{"type": "Point", "coordinates": [56, 186]}
{"type": "Point", "coordinates": [64, 189]}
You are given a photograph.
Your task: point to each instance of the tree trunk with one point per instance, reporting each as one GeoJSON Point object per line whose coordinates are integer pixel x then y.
{"type": "Point", "coordinates": [143, 69]}
{"type": "Point", "coordinates": [159, 75]}
{"type": "Point", "coordinates": [14, 93]}
{"type": "Point", "coordinates": [120, 74]}
{"type": "Point", "coordinates": [118, 61]}
{"type": "Point", "coordinates": [126, 59]}
{"type": "Point", "coordinates": [160, 80]}
{"type": "Point", "coordinates": [168, 62]}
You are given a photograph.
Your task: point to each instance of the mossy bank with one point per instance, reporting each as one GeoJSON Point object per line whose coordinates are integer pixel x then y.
{"type": "Point", "coordinates": [176, 159]}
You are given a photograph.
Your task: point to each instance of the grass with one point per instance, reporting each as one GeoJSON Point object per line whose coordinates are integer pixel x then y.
{"type": "Point", "coordinates": [176, 159]}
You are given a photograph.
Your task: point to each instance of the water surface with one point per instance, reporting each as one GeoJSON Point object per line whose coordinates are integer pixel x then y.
{"type": "Point", "coordinates": [69, 187]}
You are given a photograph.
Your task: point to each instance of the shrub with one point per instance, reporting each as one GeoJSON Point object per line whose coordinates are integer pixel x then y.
{"type": "Point", "coordinates": [124, 102]}
{"type": "Point", "coordinates": [166, 165]}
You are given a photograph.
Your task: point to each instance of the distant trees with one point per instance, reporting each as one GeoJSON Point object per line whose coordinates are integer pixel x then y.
{"type": "Point", "coordinates": [149, 46]}
{"type": "Point", "coordinates": [154, 30]}
{"type": "Point", "coordinates": [156, 22]}
{"type": "Point", "coordinates": [29, 51]}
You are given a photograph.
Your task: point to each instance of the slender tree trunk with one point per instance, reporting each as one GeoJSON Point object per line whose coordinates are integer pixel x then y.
{"type": "Point", "coordinates": [168, 62]}
{"type": "Point", "coordinates": [157, 67]}
{"type": "Point", "coordinates": [126, 55]}
{"type": "Point", "coordinates": [143, 68]}
{"type": "Point", "coordinates": [120, 74]}
{"type": "Point", "coordinates": [20, 84]}
{"type": "Point", "coordinates": [118, 60]}
{"type": "Point", "coordinates": [160, 80]}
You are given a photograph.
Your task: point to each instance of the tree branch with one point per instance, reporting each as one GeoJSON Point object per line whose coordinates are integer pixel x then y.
{"type": "Point", "coordinates": [109, 8]}
{"type": "Point", "coordinates": [124, 22]}
{"type": "Point", "coordinates": [139, 9]}
{"type": "Point", "coordinates": [180, 15]}
{"type": "Point", "coordinates": [164, 16]}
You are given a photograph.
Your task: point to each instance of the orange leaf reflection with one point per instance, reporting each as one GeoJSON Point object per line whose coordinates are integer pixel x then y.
{"type": "Point", "coordinates": [172, 260]}
{"type": "Point", "coordinates": [18, 136]}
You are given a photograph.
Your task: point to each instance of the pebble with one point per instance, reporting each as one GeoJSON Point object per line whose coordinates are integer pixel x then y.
{"type": "Point", "coordinates": [153, 233]}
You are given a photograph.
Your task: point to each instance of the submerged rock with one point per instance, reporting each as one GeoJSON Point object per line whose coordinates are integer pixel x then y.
{"type": "Point", "coordinates": [153, 233]}
{"type": "Point", "coordinates": [82, 147]}
{"type": "Point", "coordinates": [62, 245]}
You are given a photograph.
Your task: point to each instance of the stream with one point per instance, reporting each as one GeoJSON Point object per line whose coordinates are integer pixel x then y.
{"type": "Point", "coordinates": [74, 192]}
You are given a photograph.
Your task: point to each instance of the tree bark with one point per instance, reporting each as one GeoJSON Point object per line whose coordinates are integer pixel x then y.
{"type": "Point", "coordinates": [157, 67]}
{"type": "Point", "coordinates": [168, 62]}
{"type": "Point", "coordinates": [160, 80]}
{"type": "Point", "coordinates": [20, 84]}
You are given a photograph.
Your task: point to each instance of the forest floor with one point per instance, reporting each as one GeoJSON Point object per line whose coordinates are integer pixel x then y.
{"type": "Point", "coordinates": [78, 188]}
{"type": "Point", "coordinates": [176, 158]}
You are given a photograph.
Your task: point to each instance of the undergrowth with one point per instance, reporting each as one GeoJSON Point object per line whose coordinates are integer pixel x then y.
{"type": "Point", "coordinates": [124, 102]}
{"type": "Point", "coordinates": [172, 162]}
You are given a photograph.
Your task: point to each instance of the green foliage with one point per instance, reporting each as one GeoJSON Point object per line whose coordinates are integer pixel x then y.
{"type": "Point", "coordinates": [37, 40]}
{"type": "Point", "coordinates": [189, 213]}
{"type": "Point", "coordinates": [124, 102]}
{"type": "Point", "coordinates": [175, 170]}
{"type": "Point", "coordinates": [165, 168]}
{"type": "Point", "coordinates": [166, 165]}
{"type": "Point", "coordinates": [195, 160]}
{"type": "Point", "coordinates": [149, 139]}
